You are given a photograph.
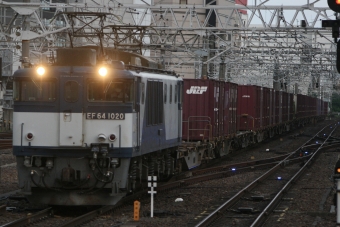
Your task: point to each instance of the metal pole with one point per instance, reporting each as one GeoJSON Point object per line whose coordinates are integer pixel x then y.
{"type": "Point", "coordinates": [25, 43]}
{"type": "Point", "coordinates": [338, 203]}
{"type": "Point", "coordinates": [151, 215]}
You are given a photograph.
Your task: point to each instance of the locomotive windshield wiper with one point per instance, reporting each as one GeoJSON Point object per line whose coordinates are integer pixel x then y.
{"type": "Point", "coordinates": [37, 85]}
{"type": "Point", "coordinates": [107, 87]}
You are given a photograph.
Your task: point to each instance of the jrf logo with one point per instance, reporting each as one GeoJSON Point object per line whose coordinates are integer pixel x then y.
{"type": "Point", "coordinates": [197, 90]}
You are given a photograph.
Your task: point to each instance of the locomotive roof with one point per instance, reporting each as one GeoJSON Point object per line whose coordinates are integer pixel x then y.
{"type": "Point", "coordinates": [89, 71]}
{"type": "Point", "coordinates": [54, 71]}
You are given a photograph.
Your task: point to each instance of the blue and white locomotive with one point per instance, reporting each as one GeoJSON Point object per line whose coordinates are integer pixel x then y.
{"type": "Point", "coordinates": [87, 134]}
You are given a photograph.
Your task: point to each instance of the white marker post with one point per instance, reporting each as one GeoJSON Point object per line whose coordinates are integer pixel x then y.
{"type": "Point", "coordinates": [152, 183]}
{"type": "Point", "coordinates": [336, 178]}
{"type": "Point", "coordinates": [338, 202]}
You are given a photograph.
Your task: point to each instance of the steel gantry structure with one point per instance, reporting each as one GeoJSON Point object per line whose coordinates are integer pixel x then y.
{"type": "Point", "coordinates": [259, 44]}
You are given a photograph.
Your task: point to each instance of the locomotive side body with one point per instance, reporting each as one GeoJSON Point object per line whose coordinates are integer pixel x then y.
{"type": "Point", "coordinates": [78, 137]}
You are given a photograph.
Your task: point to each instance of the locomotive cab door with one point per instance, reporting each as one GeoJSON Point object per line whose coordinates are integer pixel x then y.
{"type": "Point", "coordinates": [70, 115]}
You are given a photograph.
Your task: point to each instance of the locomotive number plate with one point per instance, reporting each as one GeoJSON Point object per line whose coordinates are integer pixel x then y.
{"type": "Point", "coordinates": [106, 116]}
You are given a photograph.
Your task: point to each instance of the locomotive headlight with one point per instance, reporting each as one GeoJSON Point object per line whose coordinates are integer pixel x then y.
{"type": "Point", "coordinates": [102, 71]}
{"type": "Point", "coordinates": [101, 138]}
{"type": "Point", "coordinates": [112, 137]}
{"type": "Point", "coordinates": [41, 70]}
{"type": "Point", "coordinates": [29, 136]}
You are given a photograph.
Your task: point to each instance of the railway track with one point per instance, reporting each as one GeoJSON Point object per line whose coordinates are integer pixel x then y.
{"type": "Point", "coordinates": [254, 210]}
{"type": "Point", "coordinates": [196, 176]}
{"type": "Point", "coordinates": [212, 173]}
{"type": "Point", "coordinates": [31, 219]}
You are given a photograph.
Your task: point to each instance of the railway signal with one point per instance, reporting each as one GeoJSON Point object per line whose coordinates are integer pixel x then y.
{"type": "Point", "coordinates": [334, 24]}
{"type": "Point", "coordinates": [337, 170]}
{"type": "Point", "coordinates": [336, 177]}
{"type": "Point", "coordinates": [334, 5]}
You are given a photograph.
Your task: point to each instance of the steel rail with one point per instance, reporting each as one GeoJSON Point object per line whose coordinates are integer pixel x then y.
{"type": "Point", "coordinates": [87, 217]}
{"type": "Point", "coordinates": [2, 209]}
{"type": "Point", "coordinates": [163, 188]}
{"type": "Point", "coordinates": [271, 206]}
{"type": "Point", "coordinates": [219, 211]}
{"type": "Point", "coordinates": [31, 219]}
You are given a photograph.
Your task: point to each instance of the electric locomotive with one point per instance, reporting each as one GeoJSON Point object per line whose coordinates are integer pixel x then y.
{"type": "Point", "coordinates": [85, 133]}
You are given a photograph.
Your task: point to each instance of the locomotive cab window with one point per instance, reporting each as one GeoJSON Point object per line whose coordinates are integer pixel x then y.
{"type": "Point", "coordinates": [176, 90]}
{"type": "Point", "coordinates": [34, 90]}
{"type": "Point", "coordinates": [118, 90]}
{"type": "Point", "coordinates": [154, 102]}
{"type": "Point", "coordinates": [71, 91]}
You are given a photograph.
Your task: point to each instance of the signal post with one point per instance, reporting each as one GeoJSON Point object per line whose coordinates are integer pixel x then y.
{"type": "Point", "coordinates": [334, 24]}
{"type": "Point", "coordinates": [336, 178]}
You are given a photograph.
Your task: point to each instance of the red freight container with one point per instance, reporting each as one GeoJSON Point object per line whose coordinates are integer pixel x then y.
{"type": "Point", "coordinates": [230, 109]}
{"type": "Point", "coordinates": [287, 106]}
{"type": "Point", "coordinates": [273, 107]}
{"type": "Point", "coordinates": [325, 108]}
{"type": "Point", "coordinates": [313, 110]}
{"type": "Point", "coordinates": [306, 106]}
{"type": "Point", "coordinates": [278, 107]}
{"type": "Point", "coordinates": [301, 106]}
{"type": "Point", "coordinates": [291, 107]}
{"type": "Point", "coordinates": [202, 112]}
{"type": "Point", "coordinates": [253, 108]}
{"type": "Point", "coordinates": [284, 106]}
{"type": "Point", "coordinates": [318, 107]}
{"type": "Point", "coordinates": [266, 106]}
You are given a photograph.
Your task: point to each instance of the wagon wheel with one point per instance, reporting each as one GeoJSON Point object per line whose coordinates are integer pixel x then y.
{"type": "Point", "coordinates": [245, 142]}
{"type": "Point", "coordinates": [259, 137]}
{"type": "Point", "coordinates": [280, 130]}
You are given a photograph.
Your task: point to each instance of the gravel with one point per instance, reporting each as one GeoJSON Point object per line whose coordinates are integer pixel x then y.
{"type": "Point", "coordinates": [308, 204]}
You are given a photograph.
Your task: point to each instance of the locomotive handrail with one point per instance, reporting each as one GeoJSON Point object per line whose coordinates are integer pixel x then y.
{"type": "Point", "coordinates": [210, 132]}
{"type": "Point", "coordinates": [22, 129]}
{"type": "Point", "coordinates": [209, 123]}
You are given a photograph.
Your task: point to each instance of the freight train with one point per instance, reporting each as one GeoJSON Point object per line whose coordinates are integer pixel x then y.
{"type": "Point", "coordinates": [88, 133]}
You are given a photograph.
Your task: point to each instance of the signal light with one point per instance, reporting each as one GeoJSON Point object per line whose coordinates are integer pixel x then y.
{"type": "Point", "coordinates": [337, 167]}
{"type": "Point", "coordinates": [334, 5]}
